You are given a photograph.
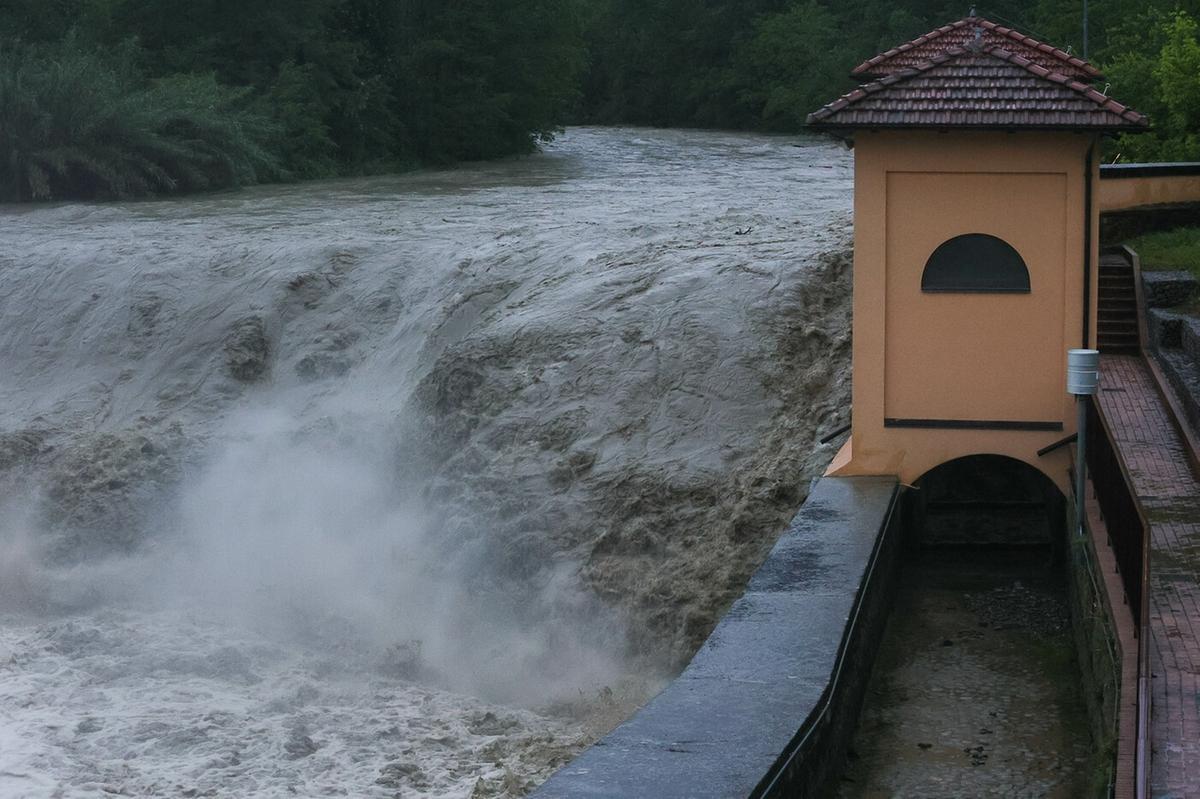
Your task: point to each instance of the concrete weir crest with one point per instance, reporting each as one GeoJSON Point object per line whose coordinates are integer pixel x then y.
{"type": "Point", "coordinates": [767, 705]}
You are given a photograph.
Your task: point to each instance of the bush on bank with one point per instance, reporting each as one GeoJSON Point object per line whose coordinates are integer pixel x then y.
{"type": "Point", "coordinates": [206, 93]}
{"type": "Point", "coordinates": [76, 124]}
{"type": "Point", "coordinates": [317, 88]}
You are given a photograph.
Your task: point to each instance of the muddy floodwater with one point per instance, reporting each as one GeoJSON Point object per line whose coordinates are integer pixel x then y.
{"type": "Point", "coordinates": [975, 692]}
{"type": "Point", "coordinates": [408, 485]}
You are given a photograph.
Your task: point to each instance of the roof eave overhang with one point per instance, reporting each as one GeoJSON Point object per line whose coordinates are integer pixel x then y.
{"type": "Point", "coordinates": [843, 130]}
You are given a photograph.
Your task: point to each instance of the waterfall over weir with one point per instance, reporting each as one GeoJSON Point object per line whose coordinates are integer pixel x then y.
{"type": "Point", "coordinates": [402, 484]}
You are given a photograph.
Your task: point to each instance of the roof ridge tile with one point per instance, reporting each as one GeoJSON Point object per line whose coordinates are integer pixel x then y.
{"type": "Point", "coordinates": [988, 87]}
{"type": "Point", "coordinates": [867, 68]}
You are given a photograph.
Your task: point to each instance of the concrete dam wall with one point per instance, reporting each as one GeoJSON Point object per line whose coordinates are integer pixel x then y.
{"type": "Point", "coordinates": [769, 702]}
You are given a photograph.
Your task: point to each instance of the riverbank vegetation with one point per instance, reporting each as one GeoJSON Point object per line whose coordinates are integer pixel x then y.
{"type": "Point", "coordinates": [1170, 249]}
{"type": "Point", "coordinates": [130, 97]}
{"type": "Point", "coordinates": [116, 98]}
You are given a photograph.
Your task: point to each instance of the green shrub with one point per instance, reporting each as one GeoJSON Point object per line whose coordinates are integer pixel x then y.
{"type": "Point", "coordinates": [77, 124]}
{"type": "Point", "coordinates": [1170, 249]}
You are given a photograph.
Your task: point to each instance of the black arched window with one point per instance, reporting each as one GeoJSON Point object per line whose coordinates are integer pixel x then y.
{"type": "Point", "coordinates": [975, 262]}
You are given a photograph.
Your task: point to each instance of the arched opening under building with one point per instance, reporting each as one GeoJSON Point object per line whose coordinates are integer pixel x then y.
{"type": "Point", "coordinates": [987, 501]}
{"type": "Point", "coordinates": [977, 686]}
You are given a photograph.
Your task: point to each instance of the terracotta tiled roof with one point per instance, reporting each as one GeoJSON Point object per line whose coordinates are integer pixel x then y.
{"type": "Point", "coordinates": [961, 34]}
{"type": "Point", "coordinates": [977, 88]}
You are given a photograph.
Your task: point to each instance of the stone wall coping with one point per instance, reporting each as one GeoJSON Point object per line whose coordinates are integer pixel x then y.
{"type": "Point", "coordinates": [739, 710]}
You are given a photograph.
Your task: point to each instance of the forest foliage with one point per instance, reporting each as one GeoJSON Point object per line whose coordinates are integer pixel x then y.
{"type": "Point", "coordinates": [116, 98]}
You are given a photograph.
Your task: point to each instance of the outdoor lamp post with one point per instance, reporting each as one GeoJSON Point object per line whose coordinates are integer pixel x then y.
{"type": "Point", "coordinates": [1083, 378]}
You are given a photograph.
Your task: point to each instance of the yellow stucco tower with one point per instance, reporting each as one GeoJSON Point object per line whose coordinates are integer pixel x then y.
{"type": "Point", "coordinates": [975, 246]}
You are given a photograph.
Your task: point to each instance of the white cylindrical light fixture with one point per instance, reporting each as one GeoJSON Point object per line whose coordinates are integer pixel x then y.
{"type": "Point", "coordinates": [1083, 372]}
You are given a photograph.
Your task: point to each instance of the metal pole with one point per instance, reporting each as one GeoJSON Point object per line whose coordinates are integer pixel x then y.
{"type": "Point", "coordinates": [1080, 467]}
{"type": "Point", "coordinates": [1083, 380]}
{"type": "Point", "coordinates": [1085, 30]}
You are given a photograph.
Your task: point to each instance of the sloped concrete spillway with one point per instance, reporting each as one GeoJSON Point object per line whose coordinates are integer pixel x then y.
{"type": "Point", "coordinates": [410, 484]}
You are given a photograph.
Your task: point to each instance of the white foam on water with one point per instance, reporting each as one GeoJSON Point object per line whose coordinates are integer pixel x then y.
{"type": "Point", "coordinates": [365, 487]}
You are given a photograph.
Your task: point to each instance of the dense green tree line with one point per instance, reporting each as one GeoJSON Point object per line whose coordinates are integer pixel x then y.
{"type": "Point", "coordinates": [292, 88]}
{"type": "Point", "coordinates": [126, 97]}
{"type": "Point", "coordinates": [767, 63]}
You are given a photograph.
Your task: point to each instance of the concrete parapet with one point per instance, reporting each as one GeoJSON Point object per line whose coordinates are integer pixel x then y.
{"type": "Point", "coordinates": [768, 704]}
{"type": "Point", "coordinates": [1175, 337]}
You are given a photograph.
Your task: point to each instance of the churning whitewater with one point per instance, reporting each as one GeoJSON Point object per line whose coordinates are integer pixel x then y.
{"type": "Point", "coordinates": [401, 486]}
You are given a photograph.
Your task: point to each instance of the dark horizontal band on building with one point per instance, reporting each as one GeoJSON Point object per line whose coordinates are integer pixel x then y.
{"type": "Point", "coordinates": [976, 290]}
{"type": "Point", "coordinates": [971, 424]}
{"type": "Point", "coordinates": [1118, 171]}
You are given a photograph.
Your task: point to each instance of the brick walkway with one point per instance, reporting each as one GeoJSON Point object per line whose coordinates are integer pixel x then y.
{"type": "Point", "coordinates": [1170, 498]}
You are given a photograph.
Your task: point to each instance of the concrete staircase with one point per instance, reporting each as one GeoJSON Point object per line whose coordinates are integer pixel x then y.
{"type": "Point", "coordinates": [1117, 330]}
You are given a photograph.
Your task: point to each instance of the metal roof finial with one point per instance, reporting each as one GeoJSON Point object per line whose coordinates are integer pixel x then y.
{"type": "Point", "coordinates": [971, 13]}
{"type": "Point", "coordinates": [977, 43]}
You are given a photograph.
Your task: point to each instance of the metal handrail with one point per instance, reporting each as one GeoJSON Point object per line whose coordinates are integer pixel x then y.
{"type": "Point", "coordinates": [1118, 505]}
{"type": "Point", "coordinates": [1162, 170]}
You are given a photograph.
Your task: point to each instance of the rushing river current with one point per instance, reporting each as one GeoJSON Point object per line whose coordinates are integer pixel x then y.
{"type": "Point", "coordinates": [400, 486]}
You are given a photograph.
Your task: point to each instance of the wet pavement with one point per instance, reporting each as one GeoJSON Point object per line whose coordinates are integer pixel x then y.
{"type": "Point", "coordinates": [1168, 492]}
{"type": "Point", "coordinates": [975, 690]}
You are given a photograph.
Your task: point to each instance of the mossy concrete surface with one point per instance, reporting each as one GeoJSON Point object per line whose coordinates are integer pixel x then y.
{"type": "Point", "coordinates": [976, 691]}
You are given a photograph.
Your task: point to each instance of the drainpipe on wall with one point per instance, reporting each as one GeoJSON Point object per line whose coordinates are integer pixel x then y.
{"type": "Point", "coordinates": [1083, 380]}
{"type": "Point", "coordinates": [1087, 245]}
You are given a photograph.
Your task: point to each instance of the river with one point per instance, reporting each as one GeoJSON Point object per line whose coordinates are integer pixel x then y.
{"type": "Point", "coordinates": [403, 485]}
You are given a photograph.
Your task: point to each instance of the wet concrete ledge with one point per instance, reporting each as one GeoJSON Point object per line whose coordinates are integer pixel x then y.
{"type": "Point", "coordinates": [768, 704]}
